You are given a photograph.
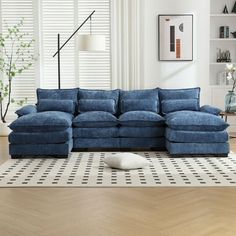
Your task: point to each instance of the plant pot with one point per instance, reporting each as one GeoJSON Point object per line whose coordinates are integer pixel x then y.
{"type": "Point", "coordinates": [4, 129]}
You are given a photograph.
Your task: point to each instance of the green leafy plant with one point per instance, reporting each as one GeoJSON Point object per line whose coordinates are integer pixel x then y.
{"type": "Point", "coordinates": [16, 56]}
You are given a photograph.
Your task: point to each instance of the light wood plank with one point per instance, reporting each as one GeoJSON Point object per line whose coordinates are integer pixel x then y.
{"type": "Point", "coordinates": [118, 212]}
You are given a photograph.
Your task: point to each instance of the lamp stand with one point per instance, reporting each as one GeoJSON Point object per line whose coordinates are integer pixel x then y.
{"type": "Point", "coordinates": [60, 47]}
{"type": "Point", "coordinates": [58, 62]}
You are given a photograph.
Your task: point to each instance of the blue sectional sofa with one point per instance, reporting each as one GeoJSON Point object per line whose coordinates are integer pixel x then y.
{"type": "Point", "coordinates": [74, 119]}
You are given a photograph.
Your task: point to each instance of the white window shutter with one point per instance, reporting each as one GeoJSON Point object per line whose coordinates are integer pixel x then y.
{"type": "Point", "coordinates": [43, 20]}
{"type": "Point", "coordinates": [12, 11]}
{"type": "Point", "coordinates": [57, 17]}
{"type": "Point", "coordinates": [94, 67]}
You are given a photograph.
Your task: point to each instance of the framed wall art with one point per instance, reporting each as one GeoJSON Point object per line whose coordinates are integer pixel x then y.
{"type": "Point", "coordinates": [175, 34]}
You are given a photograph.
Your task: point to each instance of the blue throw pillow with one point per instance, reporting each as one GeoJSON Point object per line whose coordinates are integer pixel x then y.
{"type": "Point", "coordinates": [138, 105]}
{"type": "Point", "coordinates": [56, 105]}
{"type": "Point", "coordinates": [107, 105]}
{"type": "Point", "coordinates": [172, 105]}
{"type": "Point", "coordinates": [210, 109]}
{"type": "Point", "coordinates": [28, 109]}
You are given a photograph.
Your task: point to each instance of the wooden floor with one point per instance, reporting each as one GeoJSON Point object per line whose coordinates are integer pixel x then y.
{"type": "Point", "coordinates": [116, 212]}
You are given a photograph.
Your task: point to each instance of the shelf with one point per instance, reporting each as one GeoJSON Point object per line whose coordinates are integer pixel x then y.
{"type": "Point", "coordinates": [221, 63]}
{"type": "Point", "coordinates": [223, 15]}
{"type": "Point", "coordinates": [221, 86]}
{"type": "Point", "coordinates": [223, 39]}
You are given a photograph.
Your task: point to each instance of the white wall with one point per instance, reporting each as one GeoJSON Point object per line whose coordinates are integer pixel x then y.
{"type": "Point", "coordinates": [177, 74]}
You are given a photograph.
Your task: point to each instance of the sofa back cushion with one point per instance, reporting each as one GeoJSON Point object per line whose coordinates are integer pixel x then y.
{"type": "Point", "coordinates": [179, 105]}
{"type": "Point", "coordinates": [139, 100]}
{"type": "Point", "coordinates": [56, 105]}
{"type": "Point", "coordinates": [59, 94]}
{"type": "Point", "coordinates": [179, 99]}
{"type": "Point", "coordinates": [138, 105]}
{"type": "Point", "coordinates": [98, 100]}
{"type": "Point", "coordinates": [108, 105]}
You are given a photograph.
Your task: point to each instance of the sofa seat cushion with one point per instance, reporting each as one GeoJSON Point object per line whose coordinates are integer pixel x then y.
{"type": "Point", "coordinates": [185, 136]}
{"type": "Point", "coordinates": [42, 122]}
{"type": "Point", "coordinates": [139, 100]}
{"type": "Point", "coordinates": [141, 132]}
{"type": "Point", "coordinates": [93, 119]}
{"type": "Point", "coordinates": [140, 119]}
{"type": "Point", "coordinates": [109, 132]}
{"type": "Point", "coordinates": [41, 137]}
{"type": "Point", "coordinates": [195, 121]}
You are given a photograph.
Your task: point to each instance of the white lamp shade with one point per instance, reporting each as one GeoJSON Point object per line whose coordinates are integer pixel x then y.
{"type": "Point", "coordinates": [92, 42]}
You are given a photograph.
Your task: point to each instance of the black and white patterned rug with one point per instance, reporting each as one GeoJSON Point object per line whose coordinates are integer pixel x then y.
{"type": "Point", "coordinates": [87, 169]}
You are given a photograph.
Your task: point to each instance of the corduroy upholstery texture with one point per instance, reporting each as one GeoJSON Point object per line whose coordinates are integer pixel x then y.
{"type": "Point", "coordinates": [84, 118]}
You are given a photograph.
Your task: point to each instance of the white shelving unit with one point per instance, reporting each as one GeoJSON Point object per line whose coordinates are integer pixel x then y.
{"type": "Point", "coordinates": [218, 83]}
{"type": "Point", "coordinates": [217, 19]}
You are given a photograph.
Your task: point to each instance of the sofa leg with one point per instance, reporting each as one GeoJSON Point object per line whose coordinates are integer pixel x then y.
{"type": "Point", "coordinates": [221, 155]}
{"type": "Point", "coordinates": [198, 155]}
{"type": "Point", "coordinates": [46, 156]}
{"type": "Point", "coordinates": [16, 157]}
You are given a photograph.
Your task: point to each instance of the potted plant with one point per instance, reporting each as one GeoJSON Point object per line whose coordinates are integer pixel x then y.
{"type": "Point", "coordinates": [230, 98]}
{"type": "Point", "coordinates": [16, 56]}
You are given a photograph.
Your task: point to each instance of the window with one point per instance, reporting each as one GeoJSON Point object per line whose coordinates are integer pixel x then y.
{"type": "Point", "coordinates": [82, 69]}
{"type": "Point", "coordinates": [43, 20]}
{"type": "Point", "coordinates": [94, 67]}
{"type": "Point", "coordinates": [12, 11]}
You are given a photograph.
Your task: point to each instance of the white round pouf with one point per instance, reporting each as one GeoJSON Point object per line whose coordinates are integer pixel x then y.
{"type": "Point", "coordinates": [126, 161]}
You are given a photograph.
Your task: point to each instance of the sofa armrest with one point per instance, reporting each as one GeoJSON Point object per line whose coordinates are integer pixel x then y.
{"type": "Point", "coordinates": [210, 109]}
{"type": "Point", "coordinates": [28, 109]}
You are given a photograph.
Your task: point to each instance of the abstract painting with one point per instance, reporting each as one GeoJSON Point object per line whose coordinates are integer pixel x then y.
{"type": "Point", "coordinates": [175, 33]}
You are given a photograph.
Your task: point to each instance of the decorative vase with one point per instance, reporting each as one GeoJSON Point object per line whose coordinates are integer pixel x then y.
{"type": "Point", "coordinates": [4, 129]}
{"type": "Point", "coordinates": [230, 102]}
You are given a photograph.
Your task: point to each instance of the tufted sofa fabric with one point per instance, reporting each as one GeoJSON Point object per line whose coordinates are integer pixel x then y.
{"type": "Point", "coordinates": [70, 119]}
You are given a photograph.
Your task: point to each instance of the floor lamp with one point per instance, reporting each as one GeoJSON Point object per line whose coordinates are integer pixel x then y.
{"type": "Point", "coordinates": [87, 42]}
